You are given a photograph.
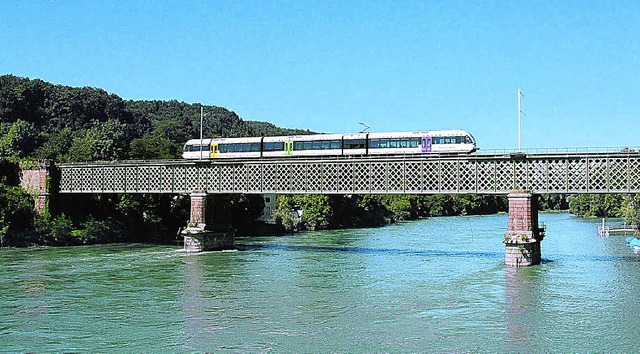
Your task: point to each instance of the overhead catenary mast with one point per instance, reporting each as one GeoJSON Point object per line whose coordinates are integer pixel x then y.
{"type": "Point", "coordinates": [520, 112]}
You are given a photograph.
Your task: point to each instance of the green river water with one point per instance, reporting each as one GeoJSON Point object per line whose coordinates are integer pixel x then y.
{"type": "Point", "coordinates": [434, 285]}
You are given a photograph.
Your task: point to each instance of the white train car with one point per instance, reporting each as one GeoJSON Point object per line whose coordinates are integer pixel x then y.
{"type": "Point", "coordinates": [397, 143]}
{"type": "Point", "coordinates": [277, 146]}
{"type": "Point", "coordinates": [317, 145]}
{"type": "Point", "coordinates": [423, 142]}
{"type": "Point", "coordinates": [193, 150]}
{"type": "Point", "coordinates": [452, 141]}
{"type": "Point", "coordinates": [236, 148]}
{"type": "Point", "coordinates": [302, 145]}
{"type": "Point", "coordinates": [223, 148]}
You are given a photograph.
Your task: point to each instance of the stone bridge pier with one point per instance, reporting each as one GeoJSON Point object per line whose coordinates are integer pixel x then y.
{"type": "Point", "coordinates": [201, 236]}
{"type": "Point", "coordinates": [523, 237]}
{"type": "Point", "coordinates": [35, 180]}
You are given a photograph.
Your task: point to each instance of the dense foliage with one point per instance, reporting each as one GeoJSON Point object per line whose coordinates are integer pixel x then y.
{"type": "Point", "coordinates": [311, 212]}
{"type": "Point", "coordinates": [626, 207]}
{"type": "Point", "coordinates": [46, 121]}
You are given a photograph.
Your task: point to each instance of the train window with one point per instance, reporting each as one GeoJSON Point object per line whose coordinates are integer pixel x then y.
{"type": "Point", "coordinates": [196, 148]}
{"type": "Point", "coordinates": [255, 147]}
{"type": "Point", "coordinates": [298, 145]}
{"type": "Point", "coordinates": [326, 145]}
{"type": "Point", "coordinates": [415, 142]}
{"type": "Point", "coordinates": [335, 144]}
{"type": "Point", "coordinates": [274, 146]}
{"type": "Point", "coordinates": [374, 143]}
{"type": "Point", "coordinates": [316, 145]}
{"type": "Point", "coordinates": [468, 140]}
{"type": "Point", "coordinates": [355, 144]}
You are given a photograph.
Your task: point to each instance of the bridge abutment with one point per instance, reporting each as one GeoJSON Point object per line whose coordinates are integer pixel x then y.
{"type": "Point", "coordinates": [198, 236]}
{"type": "Point", "coordinates": [35, 179]}
{"type": "Point", "coordinates": [524, 236]}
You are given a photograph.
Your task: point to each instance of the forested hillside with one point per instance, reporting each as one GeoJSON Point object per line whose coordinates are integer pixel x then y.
{"type": "Point", "coordinates": [45, 121]}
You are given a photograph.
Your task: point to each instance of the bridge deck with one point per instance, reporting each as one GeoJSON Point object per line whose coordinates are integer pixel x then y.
{"type": "Point", "coordinates": [570, 173]}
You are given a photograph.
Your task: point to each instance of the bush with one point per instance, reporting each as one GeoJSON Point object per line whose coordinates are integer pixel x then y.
{"type": "Point", "coordinates": [16, 217]}
{"type": "Point", "coordinates": [55, 232]}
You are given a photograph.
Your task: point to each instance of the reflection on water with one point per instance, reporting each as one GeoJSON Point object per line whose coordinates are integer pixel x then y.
{"type": "Point", "coordinates": [519, 303]}
{"type": "Point", "coordinates": [435, 285]}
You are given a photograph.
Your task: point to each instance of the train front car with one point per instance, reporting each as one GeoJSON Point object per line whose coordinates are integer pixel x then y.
{"type": "Point", "coordinates": [193, 150]}
{"type": "Point", "coordinates": [452, 142]}
{"type": "Point", "coordinates": [422, 142]}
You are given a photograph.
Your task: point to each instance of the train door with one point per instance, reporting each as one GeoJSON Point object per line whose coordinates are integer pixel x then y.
{"type": "Point", "coordinates": [288, 147]}
{"type": "Point", "coordinates": [426, 144]}
{"type": "Point", "coordinates": [214, 150]}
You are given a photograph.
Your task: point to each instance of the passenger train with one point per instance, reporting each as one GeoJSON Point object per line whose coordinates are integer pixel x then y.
{"type": "Point", "coordinates": [424, 142]}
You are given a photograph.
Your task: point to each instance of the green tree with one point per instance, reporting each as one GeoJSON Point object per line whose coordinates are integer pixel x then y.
{"type": "Point", "coordinates": [596, 205]}
{"type": "Point", "coordinates": [630, 209]}
{"type": "Point", "coordinates": [16, 217]}
{"type": "Point", "coordinates": [20, 140]}
{"type": "Point", "coordinates": [104, 142]}
{"type": "Point", "coordinates": [55, 231]}
{"type": "Point", "coordinates": [164, 142]}
{"type": "Point", "coordinates": [285, 213]}
{"type": "Point", "coordinates": [316, 211]}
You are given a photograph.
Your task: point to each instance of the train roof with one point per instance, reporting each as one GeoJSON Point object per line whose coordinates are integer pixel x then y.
{"type": "Point", "coordinates": [225, 140]}
{"type": "Point", "coordinates": [453, 132]}
{"type": "Point", "coordinates": [304, 137]}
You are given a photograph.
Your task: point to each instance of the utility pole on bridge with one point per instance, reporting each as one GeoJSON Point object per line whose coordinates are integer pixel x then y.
{"type": "Point", "coordinates": [520, 98]}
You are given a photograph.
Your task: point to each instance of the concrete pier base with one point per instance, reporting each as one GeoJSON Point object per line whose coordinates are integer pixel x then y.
{"type": "Point", "coordinates": [523, 237]}
{"type": "Point", "coordinates": [198, 240]}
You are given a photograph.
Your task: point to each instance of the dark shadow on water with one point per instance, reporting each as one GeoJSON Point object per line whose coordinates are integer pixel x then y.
{"type": "Point", "coordinates": [553, 258]}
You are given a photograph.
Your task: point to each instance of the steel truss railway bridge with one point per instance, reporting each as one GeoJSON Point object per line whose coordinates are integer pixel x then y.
{"type": "Point", "coordinates": [518, 175]}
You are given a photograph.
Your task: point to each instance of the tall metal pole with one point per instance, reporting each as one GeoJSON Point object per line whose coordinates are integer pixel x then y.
{"type": "Point", "coordinates": [201, 119]}
{"type": "Point", "coordinates": [519, 124]}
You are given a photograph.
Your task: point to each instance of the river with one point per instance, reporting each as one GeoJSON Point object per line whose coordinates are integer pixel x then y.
{"type": "Point", "coordinates": [433, 285]}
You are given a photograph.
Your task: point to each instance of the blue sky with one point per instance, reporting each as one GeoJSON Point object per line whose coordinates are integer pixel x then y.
{"type": "Point", "coordinates": [327, 65]}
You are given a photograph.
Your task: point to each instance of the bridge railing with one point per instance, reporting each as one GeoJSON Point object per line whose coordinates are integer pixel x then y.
{"type": "Point", "coordinates": [563, 150]}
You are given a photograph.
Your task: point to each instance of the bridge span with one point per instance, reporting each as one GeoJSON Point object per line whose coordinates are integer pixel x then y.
{"type": "Point", "coordinates": [519, 176]}
{"type": "Point", "coordinates": [468, 174]}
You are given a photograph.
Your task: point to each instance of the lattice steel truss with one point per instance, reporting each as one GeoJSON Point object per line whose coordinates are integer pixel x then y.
{"type": "Point", "coordinates": [484, 174]}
